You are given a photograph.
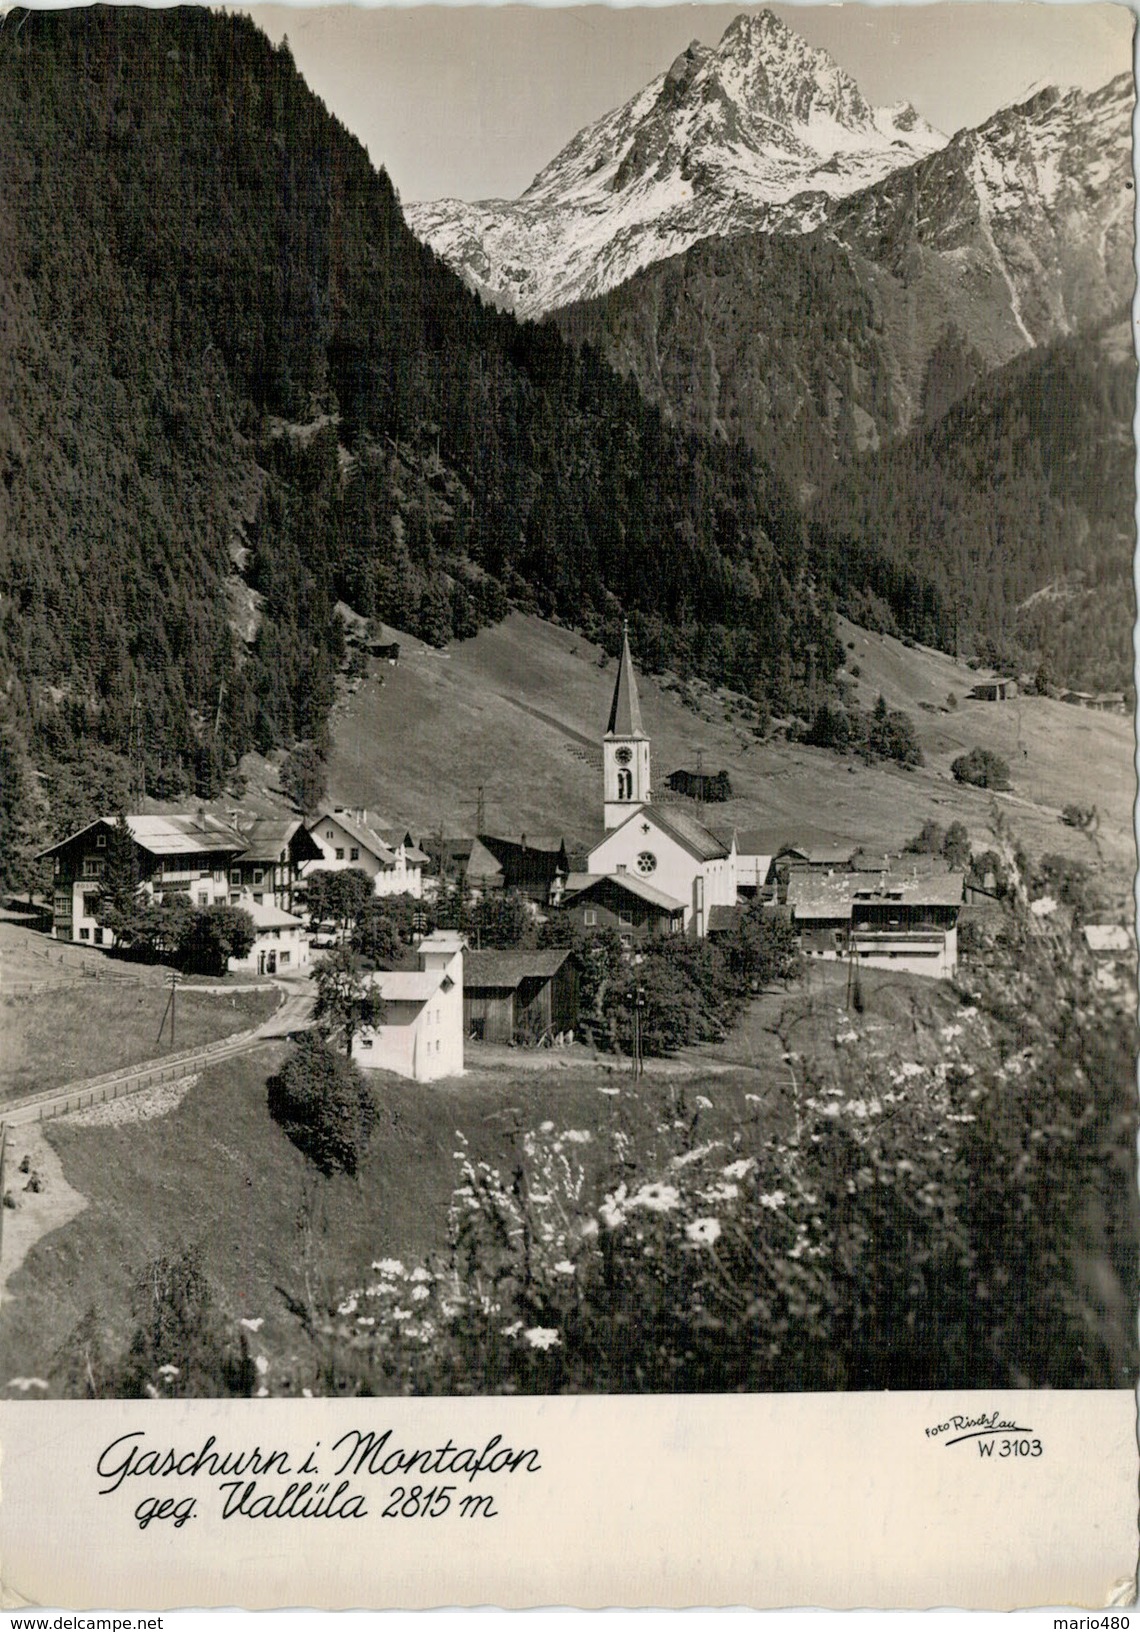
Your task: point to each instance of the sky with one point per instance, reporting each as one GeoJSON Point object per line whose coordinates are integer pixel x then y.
{"type": "Point", "coordinates": [471, 101]}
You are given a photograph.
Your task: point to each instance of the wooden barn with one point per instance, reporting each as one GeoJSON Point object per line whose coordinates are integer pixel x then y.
{"type": "Point", "coordinates": [509, 996]}
{"type": "Point", "coordinates": [624, 902]}
{"type": "Point", "coordinates": [712, 790]}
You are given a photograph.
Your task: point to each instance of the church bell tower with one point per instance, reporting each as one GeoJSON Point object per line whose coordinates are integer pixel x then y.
{"type": "Point", "coordinates": [625, 751]}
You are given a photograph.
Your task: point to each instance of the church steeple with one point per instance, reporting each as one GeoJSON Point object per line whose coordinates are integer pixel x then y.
{"type": "Point", "coordinates": [625, 751]}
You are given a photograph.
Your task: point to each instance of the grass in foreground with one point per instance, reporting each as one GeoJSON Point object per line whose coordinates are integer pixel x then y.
{"type": "Point", "coordinates": [68, 1032]}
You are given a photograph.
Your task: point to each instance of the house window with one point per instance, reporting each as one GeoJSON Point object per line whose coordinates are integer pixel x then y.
{"type": "Point", "coordinates": [258, 899]}
{"type": "Point", "coordinates": [84, 934]}
{"type": "Point", "coordinates": [589, 917]}
{"type": "Point", "coordinates": [283, 957]}
{"type": "Point", "coordinates": [235, 898]}
{"type": "Point", "coordinates": [98, 937]}
{"type": "Point", "coordinates": [92, 867]}
{"type": "Point", "coordinates": [354, 854]}
{"type": "Point", "coordinates": [235, 875]}
{"type": "Point", "coordinates": [203, 898]}
{"type": "Point", "coordinates": [646, 862]}
{"type": "Point", "coordinates": [625, 920]}
{"type": "Point", "coordinates": [258, 874]}
{"type": "Point", "coordinates": [219, 875]}
{"type": "Point", "coordinates": [622, 868]}
{"type": "Point", "coordinates": [328, 833]}
{"type": "Point", "coordinates": [100, 841]}
{"type": "Point", "coordinates": [62, 906]}
{"type": "Point", "coordinates": [366, 1042]}
{"type": "Point", "coordinates": [340, 854]}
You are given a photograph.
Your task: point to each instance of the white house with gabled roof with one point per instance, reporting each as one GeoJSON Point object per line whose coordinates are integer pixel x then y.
{"type": "Point", "coordinates": [422, 1033]}
{"type": "Point", "coordinates": [356, 838]}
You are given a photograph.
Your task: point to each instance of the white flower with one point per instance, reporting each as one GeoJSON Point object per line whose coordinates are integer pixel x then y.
{"type": "Point", "coordinates": [740, 1169]}
{"type": "Point", "coordinates": [253, 1325]}
{"type": "Point", "coordinates": [541, 1337]}
{"type": "Point", "coordinates": [419, 1293]}
{"type": "Point", "coordinates": [610, 1212]}
{"type": "Point", "coordinates": [390, 1266]}
{"type": "Point", "coordinates": [366, 1320]}
{"type": "Point", "coordinates": [694, 1155]}
{"type": "Point", "coordinates": [911, 1070]}
{"type": "Point", "coordinates": [546, 1127]}
{"type": "Point", "coordinates": [774, 1200]}
{"type": "Point", "coordinates": [755, 1098]}
{"type": "Point", "coordinates": [705, 1104]}
{"type": "Point", "coordinates": [564, 1267]}
{"type": "Point", "coordinates": [513, 1329]}
{"type": "Point", "coordinates": [262, 1365]}
{"type": "Point", "coordinates": [611, 1092]}
{"type": "Point", "coordinates": [306, 1393]}
{"type": "Point", "coordinates": [348, 1307]}
{"type": "Point", "coordinates": [656, 1198]}
{"type": "Point", "coordinates": [847, 1037]}
{"type": "Point", "coordinates": [590, 1228]}
{"type": "Point", "coordinates": [419, 1274]}
{"type": "Point", "coordinates": [721, 1192]}
{"type": "Point", "coordinates": [703, 1231]}
{"type": "Point", "coordinates": [169, 1372]}
{"type": "Point", "coordinates": [401, 1314]}
{"type": "Point", "coordinates": [578, 1136]}
{"type": "Point", "coordinates": [262, 1394]}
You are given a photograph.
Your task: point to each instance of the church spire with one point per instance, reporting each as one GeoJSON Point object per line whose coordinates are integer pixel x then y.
{"type": "Point", "coordinates": [625, 710]}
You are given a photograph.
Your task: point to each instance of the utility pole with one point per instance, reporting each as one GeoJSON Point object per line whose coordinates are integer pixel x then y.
{"type": "Point", "coordinates": [479, 812]}
{"type": "Point", "coordinates": [701, 781]}
{"type": "Point", "coordinates": [175, 977]}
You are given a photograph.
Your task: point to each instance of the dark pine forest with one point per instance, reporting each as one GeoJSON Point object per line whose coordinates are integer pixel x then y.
{"type": "Point", "coordinates": [237, 390]}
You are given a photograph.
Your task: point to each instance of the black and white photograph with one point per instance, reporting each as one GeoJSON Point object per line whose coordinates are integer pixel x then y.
{"type": "Point", "coordinates": [566, 704]}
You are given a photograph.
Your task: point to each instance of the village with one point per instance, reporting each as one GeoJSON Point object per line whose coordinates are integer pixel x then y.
{"type": "Point", "coordinates": [656, 870]}
{"type": "Point", "coordinates": [319, 1035]}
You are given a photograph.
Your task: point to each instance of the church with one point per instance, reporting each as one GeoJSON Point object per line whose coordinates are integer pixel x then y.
{"type": "Point", "coordinates": [661, 846]}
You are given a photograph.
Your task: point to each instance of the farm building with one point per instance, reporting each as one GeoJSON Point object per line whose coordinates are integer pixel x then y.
{"type": "Point", "coordinates": [711, 790]}
{"type": "Point", "coordinates": [281, 947]}
{"type": "Point", "coordinates": [530, 867]}
{"type": "Point", "coordinates": [624, 902]}
{"type": "Point", "coordinates": [992, 691]}
{"type": "Point", "coordinates": [512, 995]}
{"type": "Point", "coordinates": [755, 853]}
{"type": "Point", "coordinates": [422, 1033]}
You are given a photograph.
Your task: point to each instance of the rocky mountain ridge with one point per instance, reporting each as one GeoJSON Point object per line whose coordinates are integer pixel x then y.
{"type": "Point", "coordinates": [762, 131]}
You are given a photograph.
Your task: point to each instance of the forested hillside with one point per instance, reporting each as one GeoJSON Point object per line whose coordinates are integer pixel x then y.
{"type": "Point", "coordinates": [234, 388]}
{"type": "Point", "coordinates": [1017, 506]}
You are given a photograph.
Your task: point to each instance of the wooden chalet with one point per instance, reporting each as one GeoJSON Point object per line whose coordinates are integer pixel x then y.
{"type": "Point", "coordinates": [513, 995]}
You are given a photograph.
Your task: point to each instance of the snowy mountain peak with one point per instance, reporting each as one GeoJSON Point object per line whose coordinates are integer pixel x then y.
{"type": "Point", "coordinates": [759, 130]}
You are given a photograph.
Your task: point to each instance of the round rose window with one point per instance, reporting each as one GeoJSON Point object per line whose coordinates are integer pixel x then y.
{"type": "Point", "coordinates": [646, 861]}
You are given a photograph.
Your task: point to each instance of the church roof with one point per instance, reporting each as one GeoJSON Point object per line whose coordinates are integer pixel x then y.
{"type": "Point", "coordinates": [694, 835]}
{"type": "Point", "coordinates": [625, 710]}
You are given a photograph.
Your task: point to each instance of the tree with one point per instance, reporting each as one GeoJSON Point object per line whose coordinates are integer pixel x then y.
{"type": "Point", "coordinates": [347, 999]}
{"type": "Point", "coordinates": [216, 934]}
{"type": "Point", "coordinates": [117, 907]}
{"type": "Point", "coordinates": [929, 840]}
{"type": "Point", "coordinates": [337, 895]}
{"type": "Point", "coordinates": [501, 920]}
{"type": "Point", "coordinates": [322, 1101]}
{"type": "Point", "coordinates": [764, 948]}
{"type": "Point", "coordinates": [981, 769]}
{"type": "Point", "coordinates": [376, 934]}
{"type": "Point", "coordinates": [956, 846]}
{"type": "Point", "coordinates": [304, 776]}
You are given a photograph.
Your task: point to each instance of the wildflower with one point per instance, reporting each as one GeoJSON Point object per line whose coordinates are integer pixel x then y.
{"type": "Point", "coordinates": [262, 1394]}
{"type": "Point", "coordinates": [306, 1393]}
{"type": "Point", "coordinates": [348, 1307]}
{"type": "Point", "coordinates": [578, 1136]}
{"type": "Point", "coordinates": [610, 1212]}
{"type": "Point", "coordinates": [262, 1365]}
{"type": "Point", "coordinates": [705, 1104]}
{"type": "Point", "coordinates": [564, 1267]}
{"type": "Point", "coordinates": [694, 1155]}
{"type": "Point", "coordinates": [541, 1337]}
{"type": "Point", "coordinates": [739, 1169]}
{"type": "Point", "coordinates": [911, 1070]}
{"type": "Point", "coordinates": [419, 1293]}
{"type": "Point", "coordinates": [590, 1228]}
{"type": "Point", "coordinates": [389, 1266]}
{"type": "Point", "coordinates": [420, 1274]}
{"type": "Point", "coordinates": [774, 1200]}
{"type": "Point", "coordinates": [847, 1037]}
{"type": "Point", "coordinates": [755, 1098]}
{"type": "Point", "coordinates": [366, 1320]}
{"type": "Point", "coordinates": [401, 1314]}
{"type": "Point", "coordinates": [657, 1198]}
{"type": "Point", "coordinates": [169, 1372]}
{"type": "Point", "coordinates": [611, 1092]}
{"type": "Point", "coordinates": [513, 1329]}
{"type": "Point", "coordinates": [721, 1192]}
{"type": "Point", "coordinates": [253, 1325]}
{"type": "Point", "coordinates": [703, 1231]}
{"type": "Point", "coordinates": [546, 1127]}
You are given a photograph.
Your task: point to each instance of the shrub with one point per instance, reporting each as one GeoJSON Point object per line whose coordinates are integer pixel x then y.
{"type": "Point", "coordinates": [981, 769]}
{"type": "Point", "coordinates": [956, 846]}
{"type": "Point", "coordinates": [323, 1103]}
{"type": "Point", "coordinates": [215, 935]}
